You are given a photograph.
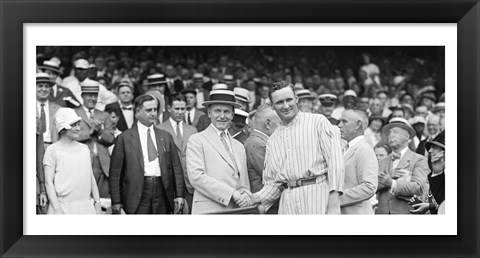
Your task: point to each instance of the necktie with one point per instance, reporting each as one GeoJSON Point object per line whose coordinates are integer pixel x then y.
{"type": "Point", "coordinates": [43, 120]}
{"type": "Point", "coordinates": [189, 119]}
{"type": "Point", "coordinates": [90, 113]}
{"type": "Point", "coordinates": [345, 149]}
{"type": "Point", "coordinates": [152, 152]}
{"type": "Point", "coordinates": [396, 156]}
{"type": "Point", "coordinates": [223, 137]}
{"type": "Point", "coordinates": [179, 134]}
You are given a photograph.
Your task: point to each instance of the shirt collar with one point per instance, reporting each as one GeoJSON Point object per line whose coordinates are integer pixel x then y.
{"type": "Point", "coordinates": [294, 120]}
{"type": "Point", "coordinates": [39, 103]}
{"type": "Point", "coordinates": [174, 123]}
{"type": "Point", "coordinates": [260, 132]}
{"type": "Point", "coordinates": [218, 131]}
{"type": "Point", "coordinates": [403, 151]}
{"type": "Point", "coordinates": [121, 105]}
{"type": "Point", "coordinates": [143, 128]}
{"type": "Point", "coordinates": [355, 140]}
{"type": "Point", "coordinates": [86, 109]}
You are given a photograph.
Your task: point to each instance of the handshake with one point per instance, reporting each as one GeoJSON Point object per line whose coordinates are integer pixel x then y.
{"type": "Point", "coordinates": [244, 198]}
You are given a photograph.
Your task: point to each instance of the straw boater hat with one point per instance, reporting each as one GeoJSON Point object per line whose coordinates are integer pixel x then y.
{"type": "Point", "coordinates": [304, 94]}
{"type": "Point", "coordinates": [401, 123]}
{"type": "Point", "coordinates": [418, 119]}
{"type": "Point", "coordinates": [439, 106]}
{"type": "Point", "coordinates": [240, 116]}
{"type": "Point", "coordinates": [219, 86]}
{"type": "Point", "coordinates": [222, 97]}
{"type": "Point", "coordinates": [64, 118]}
{"type": "Point", "coordinates": [241, 94]}
{"type": "Point", "coordinates": [156, 79]}
{"type": "Point", "coordinates": [327, 99]}
{"type": "Point", "coordinates": [377, 117]}
{"type": "Point", "coordinates": [197, 77]}
{"type": "Point", "coordinates": [44, 78]}
{"type": "Point", "coordinates": [51, 66]}
{"type": "Point", "coordinates": [438, 141]}
{"type": "Point", "coordinates": [81, 64]}
{"type": "Point", "coordinates": [90, 86]}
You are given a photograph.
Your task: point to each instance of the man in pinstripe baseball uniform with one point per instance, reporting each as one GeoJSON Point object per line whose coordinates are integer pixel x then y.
{"type": "Point", "coordinates": [304, 164]}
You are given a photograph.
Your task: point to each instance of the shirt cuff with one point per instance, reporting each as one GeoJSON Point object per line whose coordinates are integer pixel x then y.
{"type": "Point", "coordinates": [393, 189]}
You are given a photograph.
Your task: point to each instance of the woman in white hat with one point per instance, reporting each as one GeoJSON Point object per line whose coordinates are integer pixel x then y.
{"type": "Point", "coordinates": [69, 180]}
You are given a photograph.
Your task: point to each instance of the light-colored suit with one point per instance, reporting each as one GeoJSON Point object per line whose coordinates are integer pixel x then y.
{"type": "Point", "coordinates": [213, 173]}
{"type": "Point", "coordinates": [181, 147]}
{"type": "Point", "coordinates": [398, 203]}
{"type": "Point", "coordinates": [361, 179]}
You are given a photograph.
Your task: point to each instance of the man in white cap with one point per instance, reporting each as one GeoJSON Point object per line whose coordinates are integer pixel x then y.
{"type": "Point", "coordinates": [304, 165]}
{"type": "Point", "coordinates": [349, 99]}
{"type": "Point", "coordinates": [216, 163]}
{"type": "Point", "coordinates": [237, 129]}
{"type": "Point", "coordinates": [242, 97]}
{"type": "Point", "coordinates": [305, 100]}
{"type": "Point", "coordinates": [59, 94]}
{"type": "Point", "coordinates": [201, 93]}
{"type": "Point", "coordinates": [46, 109]}
{"type": "Point", "coordinates": [327, 106]}
{"type": "Point", "coordinates": [96, 131]}
{"type": "Point", "coordinates": [403, 173]}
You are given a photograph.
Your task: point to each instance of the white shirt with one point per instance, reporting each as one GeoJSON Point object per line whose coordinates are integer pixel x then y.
{"type": "Point", "coordinates": [353, 142]}
{"type": "Point", "coordinates": [127, 114]}
{"type": "Point", "coordinates": [227, 136]}
{"type": "Point", "coordinates": [175, 124]}
{"type": "Point", "coordinates": [393, 189]}
{"type": "Point", "coordinates": [152, 168]}
{"type": "Point", "coordinates": [47, 135]}
{"type": "Point", "coordinates": [192, 114]}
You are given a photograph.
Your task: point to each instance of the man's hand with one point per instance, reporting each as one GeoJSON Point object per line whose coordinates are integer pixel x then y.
{"type": "Point", "coordinates": [385, 179]}
{"type": "Point", "coordinates": [116, 208]}
{"type": "Point", "coordinates": [401, 173]}
{"type": "Point", "coordinates": [42, 199]}
{"type": "Point", "coordinates": [333, 206]}
{"type": "Point", "coordinates": [253, 198]}
{"type": "Point", "coordinates": [420, 208]}
{"type": "Point", "coordinates": [240, 199]}
{"type": "Point", "coordinates": [97, 125]}
{"type": "Point", "coordinates": [179, 203]}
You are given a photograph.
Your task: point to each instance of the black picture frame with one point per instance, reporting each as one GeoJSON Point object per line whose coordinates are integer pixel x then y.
{"type": "Point", "coordinates": [466, 13]}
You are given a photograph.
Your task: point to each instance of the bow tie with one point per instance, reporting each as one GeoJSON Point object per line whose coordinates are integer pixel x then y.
{"type": "Point", "coordinates": [396, 156]}
{"type": "Point", "coordinates": [127, 108]}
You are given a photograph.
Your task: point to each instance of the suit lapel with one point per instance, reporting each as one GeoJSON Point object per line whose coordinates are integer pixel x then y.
{"type": "Point", "coordinates": [81, 112]}
{"type": "Point", "coordinates": [135, 141]}
{"type": "Point", "coordinates": [405, 160]}
{"type": "Point", "coordinates": [168, 127]}
{"type": "Point", "coordinates": [161, 145]}
{"type": "Point", "coordinates": [212, 137]}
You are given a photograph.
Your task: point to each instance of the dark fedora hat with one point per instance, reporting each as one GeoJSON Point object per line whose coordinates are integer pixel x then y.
{"type": "Point", "coordinates": [438, 141]}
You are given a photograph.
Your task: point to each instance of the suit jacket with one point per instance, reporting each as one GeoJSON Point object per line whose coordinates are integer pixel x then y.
{"type": "Point", "coordinates": [102, 139]}
{"type": "Point", "coordinates": [64, 97]}
{"type": "Point", "coordinates": [398, 203]}
{"type": "Point", "coordinates": [213, 173]}
{"type": "Point", "coordinates": [203, 123]}
{"type": "Point", "coordinates": [52, 110]}
{"type": "Point", "coordinates": [127, 169]}
{"type": "Point", "coordinates": [122, 124]}
{"type": "Point", "coordinates": [181, 147]}
{"type": "Point", "coordinates": [196, 117]}
{"type": "Point", "coordinates": [241, 137]}
{"type": "Point", "coordinates": [255, 148]}
{"type": "Point", "coordinates": [361, 179]}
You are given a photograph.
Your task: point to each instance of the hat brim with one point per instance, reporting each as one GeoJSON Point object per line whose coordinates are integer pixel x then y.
{"type": "Point", "coordinates": [45, 81]}
{"type": "Point", "coordinates": [383, 119]}
{"type": "Point", "coordinates": [189, 91]}
{"type": "Point", "coordinates": [49, 68]}
{"type": "Point", "coordinates": [401, 125]}
{"type": "Point", "coordinates": [428, 145]}
{"type": "Point", "coordinates": [212, 102]}
{"type": "Point", "coordinates": [307, 97]}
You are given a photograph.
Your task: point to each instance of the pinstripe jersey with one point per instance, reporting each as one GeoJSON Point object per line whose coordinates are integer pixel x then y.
{"type": "Point", "coordinates": [308, 146]}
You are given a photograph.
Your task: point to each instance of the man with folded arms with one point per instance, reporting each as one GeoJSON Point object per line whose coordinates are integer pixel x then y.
{"type": "Point", "coordinates": [361, 166]}
{"type": "Point", "coordinates": [304, 163]}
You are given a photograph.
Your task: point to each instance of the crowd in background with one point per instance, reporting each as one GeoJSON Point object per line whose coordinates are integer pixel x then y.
{"type": "Point", "coordinates": [406, 84]}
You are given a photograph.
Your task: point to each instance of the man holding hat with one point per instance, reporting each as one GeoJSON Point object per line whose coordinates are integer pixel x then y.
{"type": "Point", "coordinates": [60, 95]}
{"type": "Point", "coordinates": [192, 115]}
{"type": "Point", "coordinates": [216, 162]}
{"type": "Point", "coordinates": [403, 173]}
{"type": "Point", "coordinates": [305, 100]}
{"type": "Point", "coordinates": [96, 131]}
{"type": "Point", "coordinates": [327, 102]}
{"type": "Point", "coordinates": [436, 179]}
{"type": "Point", "coordinates": [304, 165]}
{"type": "Point", "coordinates": [46, 109]}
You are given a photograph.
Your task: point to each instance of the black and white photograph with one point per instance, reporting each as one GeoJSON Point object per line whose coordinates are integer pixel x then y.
{"type": "Point", "coordinates": [240, 130]}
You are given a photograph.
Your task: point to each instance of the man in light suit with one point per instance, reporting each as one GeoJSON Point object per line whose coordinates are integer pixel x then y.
{"type": "Point", "coordinates": [145, 172]}
{"type": "Point", "coordinates": [46, 109]}
{"type": "Point", "coordinates": [216, 163]}
{"type": "Point", "coordinates": [403, 173]}
{"type": "Point", "coordinates": [266, 121]}
{"type": "Point", "coordinates": [96, 131]}
{"type": "Point", "coordinates": [361, 166]}
{"type": "Point", "coordinates": [181, 132]}
{"type": "Point", "coordinates": [192, 115]}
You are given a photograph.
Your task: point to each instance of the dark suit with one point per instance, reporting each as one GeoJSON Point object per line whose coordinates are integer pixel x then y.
{"type": "Point", "coordinates": [127, 169]}
{"type": "Point", "coordinates": [64, 97]}
{"type": "Point", "coordinates": [182, 153]}
{"type": "Point", "coordinates": [52, 109]}
{"type": "Point", "coordinates": [241, 137]}
{"type": "Point", "coordinates": [398, 204]}
{"type": "Point", "coordinates": [122, 124]}
{"type": "Point", "coordinates": [196, 117]}
{"type": "Point", "coordinates": [203, 123]}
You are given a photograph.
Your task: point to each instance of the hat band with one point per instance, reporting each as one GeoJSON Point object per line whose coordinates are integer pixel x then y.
{"type": "Point", "coordinates": [50, 67]}
{"type": "Point", "coordinates": [90, 89]}
{"type": "Point", "coordinates": [222, 97]}
{"type": "Point", "coordinates": [241, 98]}
{"type": "Point", "coordinates": [304, 95]}
{"type": "Point", "coordinates": [156, 81]}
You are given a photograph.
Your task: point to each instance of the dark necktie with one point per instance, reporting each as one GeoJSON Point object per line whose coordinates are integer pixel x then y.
{"type": "Point", "coordinates": [396, 156]}
{"type": "Point", "coordinates": [43, 120]}
{"type": "Point", "coordinates": [189, 119]}
{"type": "Point", "coordinates": [179, 134]}
{"type": "Point", "coordinates": [152, 152]}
